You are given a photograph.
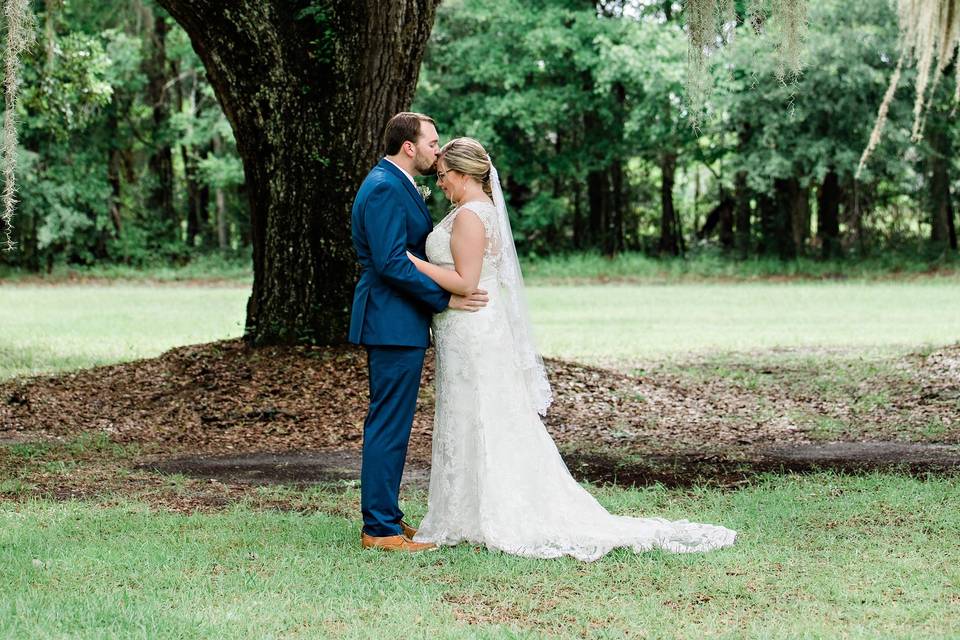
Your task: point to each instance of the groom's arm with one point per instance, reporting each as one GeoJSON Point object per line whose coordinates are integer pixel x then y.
{"type": "Point", "coordinates": [386, 230]}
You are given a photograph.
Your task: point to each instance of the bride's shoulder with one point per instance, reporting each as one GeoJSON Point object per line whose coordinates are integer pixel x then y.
{"type": "Point", "coordinates": [485, 211]}
{"type": "Point", "coordinates": [482, 208]}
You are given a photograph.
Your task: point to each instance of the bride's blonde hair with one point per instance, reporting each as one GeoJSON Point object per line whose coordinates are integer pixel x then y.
{"type": "Point", "coordinates": [467, 156]}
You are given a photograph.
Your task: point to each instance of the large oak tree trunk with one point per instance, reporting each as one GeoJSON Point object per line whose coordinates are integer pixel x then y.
{"type": "Point", "coordinates": [307, 94]}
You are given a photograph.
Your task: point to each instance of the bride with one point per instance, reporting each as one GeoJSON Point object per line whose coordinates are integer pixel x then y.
{"type": "Point", "coordinates": [497, 478]}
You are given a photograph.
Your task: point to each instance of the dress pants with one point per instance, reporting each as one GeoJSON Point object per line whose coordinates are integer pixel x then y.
{"type": "Point", "coordinates": [394, 384]}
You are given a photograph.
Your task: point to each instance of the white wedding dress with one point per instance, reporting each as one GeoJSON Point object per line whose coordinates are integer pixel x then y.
{"type": "Point", "coordinates": [497, 478]}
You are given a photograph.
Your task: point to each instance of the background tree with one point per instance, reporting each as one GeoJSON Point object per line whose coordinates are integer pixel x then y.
{"type": "Point", "coordinates": [582, 104]}
{"type": "Point", "coordinates": [307, 88]}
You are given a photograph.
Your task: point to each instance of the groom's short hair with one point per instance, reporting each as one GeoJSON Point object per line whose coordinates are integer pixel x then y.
{"type": "Point", "coordinates": [403, 127]}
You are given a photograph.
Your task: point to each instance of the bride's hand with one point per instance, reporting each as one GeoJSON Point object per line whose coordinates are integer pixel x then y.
{"type": "Point", "coordinates": [477, 300]}
{"type": "Point", "coordinates": [414, 259]}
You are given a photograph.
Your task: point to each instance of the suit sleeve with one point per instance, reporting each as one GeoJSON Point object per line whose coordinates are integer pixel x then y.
{"type": "Point", "coordinates": [386, 231]}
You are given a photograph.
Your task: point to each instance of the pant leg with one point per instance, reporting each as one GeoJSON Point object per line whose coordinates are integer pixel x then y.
{"type": "Point", "coordinates": [394, 384]}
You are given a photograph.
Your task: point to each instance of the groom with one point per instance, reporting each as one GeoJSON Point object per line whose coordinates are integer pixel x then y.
{"type": "Point", "coordinates": [392, 308]}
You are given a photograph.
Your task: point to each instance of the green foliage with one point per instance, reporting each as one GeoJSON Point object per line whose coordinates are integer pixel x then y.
{"type": "Point", "coordinates": [561, 92]}
{"type": "Point", "coordinates": [522, 79]}
{"type": "Point", "coordinates": [823, 120]}
{"type": "Point", "coordinates": [557, 90]}
{"type": "Point", "coordinates": [67, 96]}
{"type": "Point", "coordinates": [88, 130]}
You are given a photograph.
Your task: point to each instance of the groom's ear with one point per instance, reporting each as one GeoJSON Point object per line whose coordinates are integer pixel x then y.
{"type": "Point", "coordinates": [409, 148]}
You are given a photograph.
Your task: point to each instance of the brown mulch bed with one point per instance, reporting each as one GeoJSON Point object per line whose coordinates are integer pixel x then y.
{"type": "Point", "coordinates": [231, 417]}
{"type": "Point", "coordinates": [226, 397]}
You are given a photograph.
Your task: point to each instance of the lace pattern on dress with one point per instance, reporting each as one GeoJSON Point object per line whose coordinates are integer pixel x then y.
{"type": "Point", "coordinates": [497, 478]}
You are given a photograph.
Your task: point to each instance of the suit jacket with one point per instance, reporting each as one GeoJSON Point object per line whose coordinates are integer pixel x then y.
{"type": "Point", "coordinates": [393, 302]}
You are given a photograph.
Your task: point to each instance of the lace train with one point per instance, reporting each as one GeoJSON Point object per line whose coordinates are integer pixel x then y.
{"type": "Point", "coordinates": [497, 478]}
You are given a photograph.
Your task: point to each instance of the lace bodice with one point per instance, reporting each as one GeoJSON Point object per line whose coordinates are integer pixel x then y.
{"type": "Point", "coordinates": [438, 242]}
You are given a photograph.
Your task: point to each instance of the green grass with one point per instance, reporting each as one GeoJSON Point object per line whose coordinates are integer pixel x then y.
{"type": "Point", "coordinates": [57, 328]}
{"type": "Point", "coordinates": [820, 556]}
{"type": "Point", "coordinates": [584, 266]}
{"type": "Point", "coordinates": [710, 265]}
{"type": "Point", "coordinates": [630, 322]}
{"type": "Point", "coordinates": [201, 267]}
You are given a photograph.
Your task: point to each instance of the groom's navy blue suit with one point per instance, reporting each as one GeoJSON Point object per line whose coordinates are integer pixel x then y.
{"type": "Point", "coordinates": [392, 307]}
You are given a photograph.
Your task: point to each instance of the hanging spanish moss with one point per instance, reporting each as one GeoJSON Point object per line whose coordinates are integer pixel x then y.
{"type": "Point", "coordinates": [756, 15]}
{"type": "Point", "coordinates": [727, 15]}
{"type": "Point", "coordinates": [701, 17]}
{"type": "Point", "coordinates": [709, 25]}
{"type": "Point", "coordinates": [791, 19]}
{"type": "Point", "coordinates": [881, 117]}
{"type": "Point", "coordinates": [930, 35]}
{"type": "Point", "coordinates": [20, 33]}
{"type": "Point", "coordinates": [930, 38]}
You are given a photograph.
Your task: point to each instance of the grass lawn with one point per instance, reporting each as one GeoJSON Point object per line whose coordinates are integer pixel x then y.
{"type": "Point", "coordinates": [819, 556]}
{"type": "Point", "coordinates": [628, 322]}
{"type": "Point", "coordinates": [58, 328]}
{"type": "Point", "coordinates": [53, 328]}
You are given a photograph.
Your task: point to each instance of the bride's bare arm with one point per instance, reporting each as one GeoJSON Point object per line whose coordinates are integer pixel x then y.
{"type": "Point", "coordinates": [467, 241]}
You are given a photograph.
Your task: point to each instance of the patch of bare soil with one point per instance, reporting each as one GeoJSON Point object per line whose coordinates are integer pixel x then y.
{"type": "Point", "coordinates": [281, 468]}
{"type": "Point", "coordinates": [241, 416]}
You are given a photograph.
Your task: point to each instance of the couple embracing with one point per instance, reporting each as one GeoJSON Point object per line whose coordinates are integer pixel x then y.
{"type": "Point", "coordinates": [496, 477]}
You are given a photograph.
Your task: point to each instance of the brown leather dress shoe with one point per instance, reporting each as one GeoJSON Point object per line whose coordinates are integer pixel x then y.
{"type": "Point", "coordinates": [395, 543]}
{"type": "Point", "coordinates": [407, 529]}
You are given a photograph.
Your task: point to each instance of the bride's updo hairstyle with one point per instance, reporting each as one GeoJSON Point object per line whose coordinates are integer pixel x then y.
{"type": "Point", "coordinates": [467, 156]}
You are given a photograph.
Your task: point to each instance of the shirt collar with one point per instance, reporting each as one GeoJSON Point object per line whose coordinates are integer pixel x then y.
{"type": "Point", "coordinates": [409, 177]}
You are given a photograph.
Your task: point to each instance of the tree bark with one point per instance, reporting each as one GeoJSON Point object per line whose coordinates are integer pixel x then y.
{"type": "Point", "coordinates": [828, 216]}
{"type": "Point", "coordinates": [223, 237]}
{"type": "Point", "coordinates": [742, 214]}
{"type": "Point", "coordinates": [307, 94]}
{"type": "Point", "coordinates": [741, 197]}
{"type": "Point", "coordinates": [800, 217]}
{"type": "Point", "coordinates": [669, 229]}
{"type": "Point", "coordinates": [857, 200]}
{"type": "Point", "coordinates": [598, 197]}
{"type": "Point", "coordinates": [721, 218]}
{"type": "Point", "coordinates": [613, 243]}
{"type": "Point", "coordinates": [942, 230]}
{"type": "Point", "coordinates": [157, 70]}
{"type": "Point", "coordinates": [767, 213]}
{"type": "Point", "coordinates": [726, 224]}
{"type": "Point", "coordinates": [196, 197]}
{"type": "Point", "coordinates": [113, 177]}
{"type": "Point", "coordinates": [777, 219]}
{"type": "Point", "coordinates": [577, 216]}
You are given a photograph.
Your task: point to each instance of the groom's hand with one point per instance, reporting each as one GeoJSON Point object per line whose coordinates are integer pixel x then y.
{"type": "Point", "coordinates": [472, 302]}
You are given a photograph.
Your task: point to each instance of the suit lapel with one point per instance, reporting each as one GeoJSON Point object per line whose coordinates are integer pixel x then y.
{"type": "Point", "coordinates": [394, 170]}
